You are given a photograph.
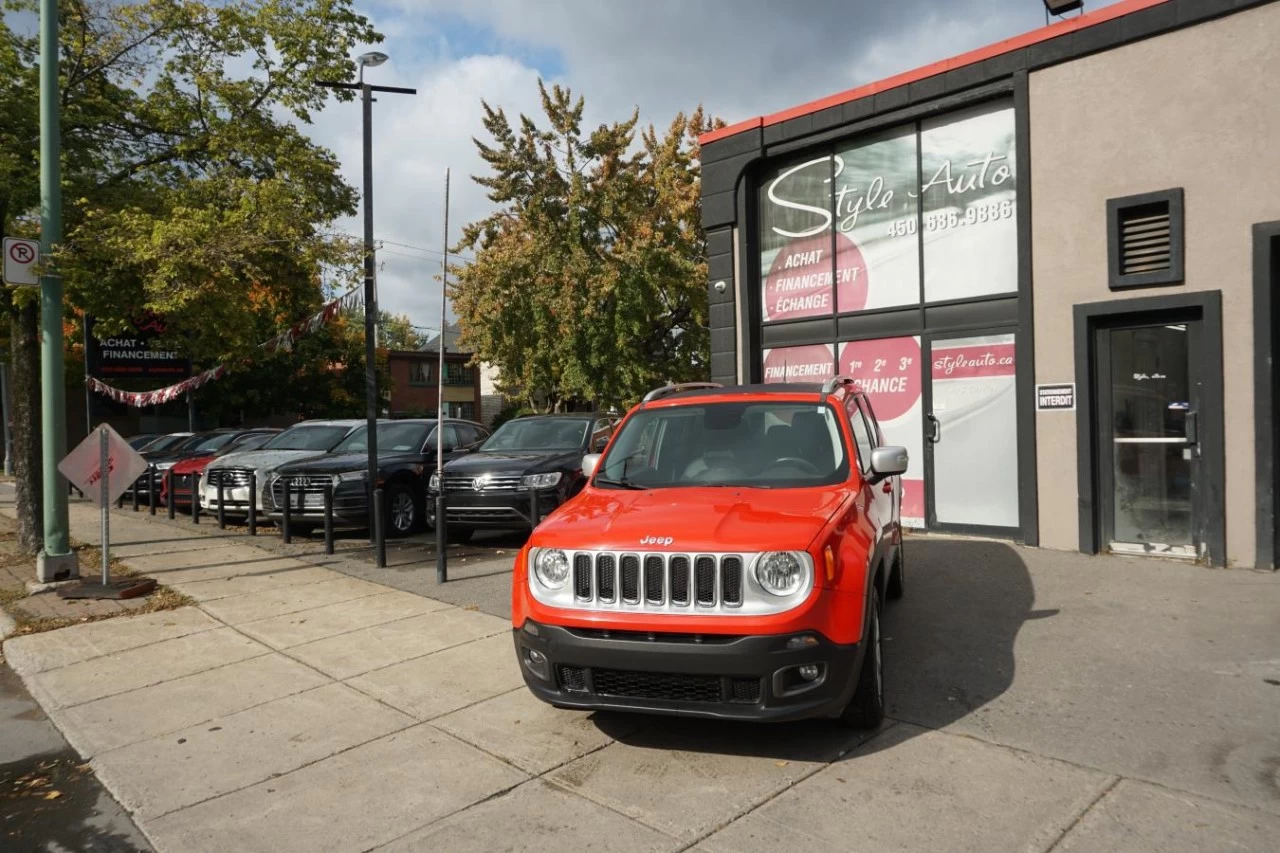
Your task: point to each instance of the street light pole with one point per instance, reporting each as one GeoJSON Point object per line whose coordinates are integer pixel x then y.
{"type": "Point", "coordinates": [56, 560]}
{"type": "Point", "coordinates": [371, 59]}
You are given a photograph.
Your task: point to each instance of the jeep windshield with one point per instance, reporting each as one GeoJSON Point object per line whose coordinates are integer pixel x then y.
{"type": "Point", "coordinates": [538, 434]}
{"type": "Point", "coordinates": [315, 437]}
{"type": "Point", "coordinates": [753, 445]}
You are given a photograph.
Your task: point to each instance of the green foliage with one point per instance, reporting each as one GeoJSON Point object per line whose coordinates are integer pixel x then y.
{"type": "Point", "coordinates": [397, 332]}
{"type": "Point", "coordinates": [590, 280]}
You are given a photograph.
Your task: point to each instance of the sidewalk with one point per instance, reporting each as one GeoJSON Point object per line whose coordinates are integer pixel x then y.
{"type": "Point", "coordinates": [1039, 701]}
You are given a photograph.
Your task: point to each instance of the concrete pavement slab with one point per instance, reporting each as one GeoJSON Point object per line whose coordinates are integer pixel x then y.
{"type": "Point", "coordinates": [428, 687]}
{"type": "Point", "coordinates": [534, 736]}
{"type": "Point", "coordinates": [238, 609]}
{"type": "Point", "coordinates": [688, 777]}
{"type": "Point", "coordinates": [350, 802]}
{"type": "Point", "coordinates": [1152, 669]}
{"type": "Point", "coordinates": [253, 583]}
{"type": "Point", "coordinates": [39, 652]}
{"type": "Point", "coordinates": [141, 667]}
{"type": "Point", "coordinates": [228, 753]}
{"type": "Point", "coordinates": [1136, 817]}
{"type": "Point", "coordinates": [306, 626]}
{"type": "Point", "coordinates": [235, 559]}
{"type": "Point", "coordinates": [535, 817]}
{"type": "Point", "coordinates": [378, 646]}
{"type": "Point", "coordinates": [912, 789]}
{"type": "Point", "coordinates": [139, 715]}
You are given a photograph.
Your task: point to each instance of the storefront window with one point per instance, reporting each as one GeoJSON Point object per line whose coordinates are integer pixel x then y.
{"type": "Point", "coordinates": [889, 371]}
{"type": "Point", "coordinates": [970, 221]}
{"type": "Point", "coordinates": [841, 229]}
{"type": "Point", "coordinates": [812, 363]}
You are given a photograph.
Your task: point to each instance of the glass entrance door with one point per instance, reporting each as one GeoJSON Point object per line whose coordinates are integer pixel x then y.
{"type": "Point", "coordinates": [1147, 427]}
{"type": "Point", "coordinates": [971, 432]}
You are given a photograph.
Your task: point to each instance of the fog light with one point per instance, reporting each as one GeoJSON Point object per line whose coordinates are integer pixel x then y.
{"type": "Point", "coordinates": [536, 662]}
{"type": "Point", "coordinates": [810, 672]}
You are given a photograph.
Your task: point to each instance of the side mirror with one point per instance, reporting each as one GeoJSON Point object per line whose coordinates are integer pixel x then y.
{"type": "Point", "coordinates": [589, 463]}
{"type": "Point", "coordinates": [601, 443]}
{"type": "Point", "coordinates": [888, 462]}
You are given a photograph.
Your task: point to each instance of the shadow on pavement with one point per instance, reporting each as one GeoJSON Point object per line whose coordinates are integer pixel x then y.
{"type": "Point", "coordinates": [949, 649]}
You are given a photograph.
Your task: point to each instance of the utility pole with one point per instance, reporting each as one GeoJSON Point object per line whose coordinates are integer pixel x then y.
{"type": "Point", "coordinates": [442, 559]}
{"type": "Point", "coordinates": [373, 58]}
{"type": "Point", "coordinates": [56, 561]}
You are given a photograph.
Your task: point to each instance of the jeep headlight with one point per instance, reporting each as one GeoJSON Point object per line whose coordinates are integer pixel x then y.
{"type": "Point", "coordinates": [782, 572]}
{"type": "Point", "coordinates": [349, 476]}
{"type": "Point", "coordinates": [434, 483]}
{"type": "Point", "coordinates": [541, 481]}
{"type": "Point", "coordinates": [551, 566]}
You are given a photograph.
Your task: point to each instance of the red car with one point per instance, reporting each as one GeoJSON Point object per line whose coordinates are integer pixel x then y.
{"type": "Point", "coordinates": [728, 558]}
{"type": "Point", "coordinates": [187, 471]}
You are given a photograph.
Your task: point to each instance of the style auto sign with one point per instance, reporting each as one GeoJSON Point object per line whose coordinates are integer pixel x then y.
{"type": "Point", "coordinates": [799, 282]}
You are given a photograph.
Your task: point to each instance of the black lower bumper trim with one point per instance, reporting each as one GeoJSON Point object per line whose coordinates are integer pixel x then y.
{"type": "Point", "coordinates": [758, 677]}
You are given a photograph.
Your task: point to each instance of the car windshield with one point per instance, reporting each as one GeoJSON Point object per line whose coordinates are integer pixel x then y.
{"type": "Point", "coordinates": [757, 445]}
{"type": "Point", "coordinates": [392, 438]}
{"type": "Point", "coordinates": [140, 441]}
{"type": "Point", "coordinates": [538, 434]}
{"type": "Point", "coordinates": [307, 437]}
{"type": "Point", "coordinates": [168, 442]}
{"type": "Point", "coordinates": [250, 442]}
{"type": "Point", "coordinates": [210, 442]}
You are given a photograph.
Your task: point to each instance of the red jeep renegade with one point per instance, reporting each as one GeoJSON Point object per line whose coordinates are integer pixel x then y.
{"type": "Point", "coordinates": [728, 558]}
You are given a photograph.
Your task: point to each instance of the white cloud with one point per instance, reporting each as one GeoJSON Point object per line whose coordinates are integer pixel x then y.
{"type": "Point", "coordinates": [739, 58]}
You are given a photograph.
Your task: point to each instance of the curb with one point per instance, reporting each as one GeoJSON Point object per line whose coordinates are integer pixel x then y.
{"type": "Point", "coordinates": [7, 625]}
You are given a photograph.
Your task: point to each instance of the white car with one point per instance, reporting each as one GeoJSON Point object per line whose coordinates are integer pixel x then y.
{"type": "Point", "coordinates": [236, 470]}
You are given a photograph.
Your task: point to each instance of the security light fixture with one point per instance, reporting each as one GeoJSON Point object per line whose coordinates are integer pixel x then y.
{"type": "Point", "coordinates": [372, 58]}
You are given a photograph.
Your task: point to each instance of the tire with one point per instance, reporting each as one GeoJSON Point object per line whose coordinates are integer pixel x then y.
{"type": "Point", "coordinates": [402, 511]}
{"type": "Point", "coordinates": [897, 585]}
{"type": "Point", "coordinates": [866, 708]}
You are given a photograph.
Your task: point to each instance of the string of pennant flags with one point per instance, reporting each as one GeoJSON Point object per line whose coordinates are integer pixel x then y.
{"type": "Point", "coordinates": [283, 341]}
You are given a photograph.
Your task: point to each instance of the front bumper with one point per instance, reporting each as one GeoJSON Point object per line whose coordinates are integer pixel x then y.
{"type": "Point", "coordinates": [508, 510]}
{"type": "Point", "coordinates": [753, 677]}
{"type": "Point", "coordinates": [350, 506]}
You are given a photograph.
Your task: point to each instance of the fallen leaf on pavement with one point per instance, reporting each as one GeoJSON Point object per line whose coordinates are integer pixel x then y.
{"type": "Point", "coordinates": [53, 795]}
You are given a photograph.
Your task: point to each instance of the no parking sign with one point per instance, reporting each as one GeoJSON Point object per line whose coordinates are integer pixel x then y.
{"type": "Point", "coordinates": [20, 258]}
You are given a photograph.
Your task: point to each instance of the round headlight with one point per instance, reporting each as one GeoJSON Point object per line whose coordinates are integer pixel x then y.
{"type": "Point", "coordinates": [780, 573]}
{"type": "Point", "coordinates": [552, 568]}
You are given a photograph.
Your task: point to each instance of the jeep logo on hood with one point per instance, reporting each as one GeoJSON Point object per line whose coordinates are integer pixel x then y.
{"type": "Point", "coordinates": [657, 540]}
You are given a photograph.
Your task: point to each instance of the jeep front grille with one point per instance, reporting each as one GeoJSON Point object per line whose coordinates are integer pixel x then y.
{"type": "Point", "coordinates": [657, 581]}
{"type": "Point", "coordinates": [673, 687]}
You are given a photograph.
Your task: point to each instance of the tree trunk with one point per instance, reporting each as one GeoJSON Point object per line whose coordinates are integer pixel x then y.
{"type": "Point", "coordinates": [24, 333]}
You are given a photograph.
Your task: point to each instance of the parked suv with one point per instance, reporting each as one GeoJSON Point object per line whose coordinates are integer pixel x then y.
{"type": "Point", "coordinates": [541, 454]}
{"type": "Point", "coordinates": [406, 451]}
{"type": "Point", "coordinates": [728, 558]}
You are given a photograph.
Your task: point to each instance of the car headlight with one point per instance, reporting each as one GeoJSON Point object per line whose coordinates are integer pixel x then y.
{"type": "Point", "coordinates": [349, 476]}
{"type": "Point", "coordinates": [780, 572]}
{"type": "Point", "coordinates": [434, 484]}
{"type": "Point", "coordinates": [551, 567]}
{"type": "Point", "coordinates": [541, 481]}
{"type": "Point", "coordinates": [164, 466]}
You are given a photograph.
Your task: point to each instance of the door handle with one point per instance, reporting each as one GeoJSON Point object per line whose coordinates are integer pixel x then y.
{"type": "Point", "coordinates": [887, 488]}
{"type": "Point", "coordinates": [935, 432]}
{"type": "Point", "coordinates": [1193, 427]}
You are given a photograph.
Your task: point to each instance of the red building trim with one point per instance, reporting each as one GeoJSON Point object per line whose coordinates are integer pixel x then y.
{"type": "Point", "coordinates": [1058, 28]}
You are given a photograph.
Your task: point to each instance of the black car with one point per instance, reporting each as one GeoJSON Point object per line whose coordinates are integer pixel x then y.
{"type": "Point", "coordinates": [406, 456]}
{"type": "Point", "coordinates": [163, 456]}
{"type": "Point", "coordinates": [540, 454]}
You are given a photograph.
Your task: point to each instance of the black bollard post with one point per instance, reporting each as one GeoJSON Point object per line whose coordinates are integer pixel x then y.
{"type": "Point", "coordinates": [328, 518]}
{"type": "Point", "coordinates": [379, 531]}
{"type": "Point", "coordinates": [286, 534]}
{"type": "Point", "coordinates": [195, 509]}
{"type": "Point", "coordinates": [442, 542]}
{"type": "Point", "coordinates": [222, 517]}
{"type": "Point", "coordinates": [135, 492]}
{"type": "Point", "coordinates": [253, 503]}
{"type": "Point", "coordinates": [534, 518]}
{"type": "Point", "coordinates": [173, 511]}
{"type": "Point", "coordinates": [151, 489]}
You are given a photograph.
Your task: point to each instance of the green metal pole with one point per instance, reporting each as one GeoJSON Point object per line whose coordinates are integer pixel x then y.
{"type": "Point", "coordinates": [52, 381]}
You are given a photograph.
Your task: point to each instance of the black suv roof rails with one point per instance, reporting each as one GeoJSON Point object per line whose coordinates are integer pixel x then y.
{"type": "Point", "coordinates": [667, 390]}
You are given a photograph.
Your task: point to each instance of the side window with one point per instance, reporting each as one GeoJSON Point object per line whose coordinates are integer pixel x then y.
{"type": "Point", "coordinates": [870, 414]}
{"type": "Point", "coordinates": [861, 435]}
{"type": "Point", "coordinates": [467, 435]}
{"type": "Point", "coordinates": [450, 437]}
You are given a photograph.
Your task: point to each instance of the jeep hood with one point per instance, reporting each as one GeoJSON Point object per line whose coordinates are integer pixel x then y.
{"type": "Point", "coordinates": [695, 519]}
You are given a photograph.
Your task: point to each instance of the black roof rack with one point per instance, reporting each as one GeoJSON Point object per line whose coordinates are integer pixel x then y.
{"type": "Point", "coordinates": [667, 390]}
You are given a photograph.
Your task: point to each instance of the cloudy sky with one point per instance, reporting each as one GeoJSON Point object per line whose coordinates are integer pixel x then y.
{"type": "Point", "coordinates": [739, 58]}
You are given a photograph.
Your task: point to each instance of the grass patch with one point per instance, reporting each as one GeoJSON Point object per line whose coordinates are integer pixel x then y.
{"type": "Point", "coordinates": [163, 598]}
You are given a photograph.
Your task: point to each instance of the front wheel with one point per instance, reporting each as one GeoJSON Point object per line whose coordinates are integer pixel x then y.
{"type": "Point", "coordinates": [897, 585]}
{"type": "Point", "coordinates": [866, 709]}
{"type": "Point", "coordinates": [401, 510]}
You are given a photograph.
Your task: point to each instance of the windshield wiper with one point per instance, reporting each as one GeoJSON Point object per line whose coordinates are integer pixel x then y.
{"type": "Point", "coordinates": [622, 483]}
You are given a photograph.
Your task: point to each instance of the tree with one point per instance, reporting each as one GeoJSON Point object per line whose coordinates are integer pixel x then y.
{"type": "Point", "coordinates": [589, 281]}
{"type": "Point", "coordinates": [397, 332]}
{"type": "Point", "coordinates": [189, 190]}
